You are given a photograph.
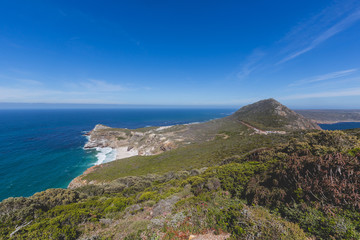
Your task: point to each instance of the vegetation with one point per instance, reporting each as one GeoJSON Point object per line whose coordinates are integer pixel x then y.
{"type": "Point", "coordinates": [189, 157]}
{"type": "Point", "coordinates": [328, 116]}
{"type": "Point", "coordinates": [240, 185]}
{"type": "Point", "coordinates": [269, 114]}
{"type": "Point", "coordinates": [307, 187]}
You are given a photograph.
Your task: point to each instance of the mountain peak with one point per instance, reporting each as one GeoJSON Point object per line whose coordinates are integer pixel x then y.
{"type": "Point", "coordinates": [269, 114]}
{"type": "Point", "coordinates": [265, 102]}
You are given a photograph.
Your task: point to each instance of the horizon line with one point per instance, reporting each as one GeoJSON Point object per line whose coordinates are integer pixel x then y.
{"type": "Point", "coordinates": [108, 105]}
{"type": "Point", "coordinates": [50, 106]}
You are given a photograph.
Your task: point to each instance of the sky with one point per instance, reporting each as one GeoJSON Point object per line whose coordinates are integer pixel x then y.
{"type": "Point", "coordinates": [305, 54]}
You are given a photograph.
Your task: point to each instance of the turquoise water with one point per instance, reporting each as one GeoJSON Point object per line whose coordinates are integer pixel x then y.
{"type": "Point", "coordinates": [41, 149]}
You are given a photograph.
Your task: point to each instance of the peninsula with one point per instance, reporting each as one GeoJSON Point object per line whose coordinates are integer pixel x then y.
{"type": "Point", "coordinates": [264, 172]}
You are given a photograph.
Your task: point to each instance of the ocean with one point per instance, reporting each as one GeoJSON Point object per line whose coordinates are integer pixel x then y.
{"type": "Point", "coordinates": [340, 126]}
{"type": "Point", "coordinates": [41, 149]}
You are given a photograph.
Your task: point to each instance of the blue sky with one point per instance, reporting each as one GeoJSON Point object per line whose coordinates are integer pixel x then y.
{"type": "Point", "coordinates": [306, 54]}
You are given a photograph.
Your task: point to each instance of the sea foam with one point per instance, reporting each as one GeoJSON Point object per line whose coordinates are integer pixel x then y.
{"type": "Point", "coordinates": [105, 155]}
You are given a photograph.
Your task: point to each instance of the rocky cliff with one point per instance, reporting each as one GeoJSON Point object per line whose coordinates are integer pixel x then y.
{"type": "Point", "coordinates": [146, 141]}
{"type": "Point", "coordinates": [267, 114]}
{"type": "Point", "coordinates": [263, 117]}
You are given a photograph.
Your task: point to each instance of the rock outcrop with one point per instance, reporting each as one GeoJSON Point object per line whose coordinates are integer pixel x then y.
{"type": "Point", "coordinates": [147, 141]}
{"type": "Point", "coordinates": [78, 181]}
{"type": "Point", "coordinates": [266, 115]}
{"type": "Point", "coordinates": [263, 117]}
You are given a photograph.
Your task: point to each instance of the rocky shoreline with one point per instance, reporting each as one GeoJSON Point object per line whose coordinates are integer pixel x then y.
{"type": "Point", "coordinates": [155, 140]}
{"type": "Point", "coordinates": [128, 143]}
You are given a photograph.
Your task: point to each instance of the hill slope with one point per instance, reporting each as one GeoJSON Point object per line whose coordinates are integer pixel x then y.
{"type": "Point", "coordinates": [198, 142]}
{"type": "Point", "coordinates": [331, 116]}
{"type": "Point", "coordinates": [264, 115]}
{"type": "Point", "coordinates": [269, 114]}
{"type": "Point", "coordinates": [228, 183]}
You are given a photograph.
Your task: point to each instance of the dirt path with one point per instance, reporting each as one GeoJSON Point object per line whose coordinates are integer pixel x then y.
{"type": "Point", "coordinates": [254, 128]}
{"type": "Point", "coordinates": [259, 131]}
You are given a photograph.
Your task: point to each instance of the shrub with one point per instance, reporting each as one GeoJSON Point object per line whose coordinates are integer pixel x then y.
{"type": "Point", "coordinates": [117, 204]}
{"type": "Point", "coordinates": [145, 196]}
{"type": "Point", "coordinates": [322, 225]}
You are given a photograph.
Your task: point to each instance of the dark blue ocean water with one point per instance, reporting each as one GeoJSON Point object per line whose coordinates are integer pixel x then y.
{"type": "Point", "coordinates": [340, 126]}
{"type": "Point", "coordinates": [41, 149]}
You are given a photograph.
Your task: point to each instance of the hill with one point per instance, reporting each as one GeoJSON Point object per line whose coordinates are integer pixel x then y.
{"type": "Point", "coordinates": [269, 114]}
{"type": "Point", "coordinates": [231, 182]}
{"type": "Point", "coordinates": [263, 117]}
{"type": "Point", "coordinates": [331, 116]}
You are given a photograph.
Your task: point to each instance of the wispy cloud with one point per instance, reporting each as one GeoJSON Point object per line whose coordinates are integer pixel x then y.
{"type": "Point", "coordinates": [15, 94]}
{"type": "Point", "coordinates": [304, 37]}
{"type": "Point", "coordinates": [30, 82]}
{"type": "Point", "coordinates": [328, 94]}
{"type": "Point", "coordinates": [49, 95]}
{"type": "Point", "coordinates": [325, 77]}
{"type": "Point", "coordinates": [250, 64]}
{"type": "Point", "coordinates": [308, 42]}
{"type": "Point", "coordinates": [20, 71]}
{"type": "Point", "coordinates": [101, 86]}
{"type": "Point", "coordinates": [17, 80]}
{"type": "Point", "coordinates": [89, 91]}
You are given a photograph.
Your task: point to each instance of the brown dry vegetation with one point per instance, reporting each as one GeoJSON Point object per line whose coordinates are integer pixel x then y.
{"type": "Point", "coordinates": [302, 185]}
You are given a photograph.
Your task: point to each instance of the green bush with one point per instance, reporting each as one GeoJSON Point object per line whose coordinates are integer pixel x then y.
{"type": "Point", "coordinates": [321, 224]}
{"type": "Point", "coordinates": [117, 204]}
{"type": "Point", "coordinates": [145, 196]}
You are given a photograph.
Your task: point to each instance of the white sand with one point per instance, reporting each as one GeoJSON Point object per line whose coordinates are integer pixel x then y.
{"type": "Point", "coordinates": [162, 128]}
{"type": "Point", "coordinates": [122, 152]}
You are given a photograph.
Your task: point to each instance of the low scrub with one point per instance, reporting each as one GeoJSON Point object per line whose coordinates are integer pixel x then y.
{"type": "Point", "coordinates": [305, 188]}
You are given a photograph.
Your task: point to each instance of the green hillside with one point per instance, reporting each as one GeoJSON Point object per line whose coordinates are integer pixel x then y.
{"type": "Point", "coordinates": [238, 185]}
{"type": "Point", "coordinates": [269, 114]}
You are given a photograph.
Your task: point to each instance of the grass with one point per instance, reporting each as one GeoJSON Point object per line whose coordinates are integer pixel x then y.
{"type": "Point", "coordinates": [187, 157]}
{"type": "Point", "coordinates": [217, 200]}
{"type": "Point", "coordinates": [253, 187]}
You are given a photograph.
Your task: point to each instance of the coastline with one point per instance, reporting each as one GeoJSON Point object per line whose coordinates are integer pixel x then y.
{"type": "Point", "coordinates": [107, 152]}
{"type": "Point", "coordinates": [115, 144]}
{"type": "Point", "coordinates": [104, 155]}
{"type": "Point", "coordinates": [334, 122]}
{"type": "Point", "coordinates": [56, 153]}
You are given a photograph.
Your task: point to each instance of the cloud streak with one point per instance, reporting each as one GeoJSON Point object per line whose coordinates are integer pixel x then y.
{"type": "Point", "coordinates": [90, 91]}
{"type": "Point", "coordinates": [328, 94]}
{"type": "Point", "coordinates": [250, 64]}
{"type": "Point", "coordinates": [16, 95]}
{"type": "Point", "coordinates": [324, 77]}
{"type": "Point", "coordinates": [304, 37]}
{"type": "Point", "coordinates": [325, 35]}
{"type": "Point", "coordinates": [101, 86]}
{"type": "Point", "coordinates": [25, 81]}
